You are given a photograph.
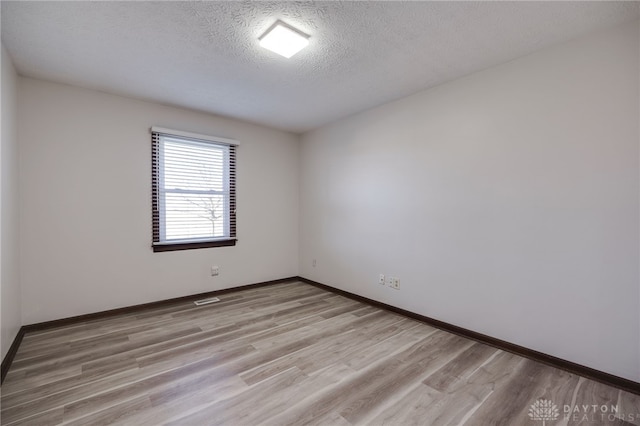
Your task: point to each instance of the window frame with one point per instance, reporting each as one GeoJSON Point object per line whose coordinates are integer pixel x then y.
{"type": "Point", "coordinates": [159, 242]}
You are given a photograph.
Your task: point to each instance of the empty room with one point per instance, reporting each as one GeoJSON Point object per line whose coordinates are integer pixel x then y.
{"type": "Point", "coordinates": [320, 213]}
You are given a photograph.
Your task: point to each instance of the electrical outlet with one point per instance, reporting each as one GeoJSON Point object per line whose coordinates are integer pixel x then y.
{"type": "Point", "coordinates": [381, 279]}
{"type": "Point", "coordinates": [215, 271]}
{"type": "Point", "coordinates": [395, 283]}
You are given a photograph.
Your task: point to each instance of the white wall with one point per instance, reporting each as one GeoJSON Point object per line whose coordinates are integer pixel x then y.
{"type": "Point", "coordinates": [10, 304]}
{"type": "Point", "coordinates": [506, 202]}
{"type": "Point", "coordinates": [85, 185]}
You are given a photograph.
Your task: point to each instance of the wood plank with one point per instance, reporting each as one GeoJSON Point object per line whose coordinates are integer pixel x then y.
{"type": "Point", "coordinates": [290, 353]}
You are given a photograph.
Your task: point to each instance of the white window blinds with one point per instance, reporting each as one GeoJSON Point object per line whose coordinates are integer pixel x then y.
{"type": "Point", "coordinates": [193, 191]}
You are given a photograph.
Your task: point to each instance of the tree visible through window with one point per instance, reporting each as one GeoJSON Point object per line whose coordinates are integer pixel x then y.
{"type": "Point", "coordinates": [193, 191]}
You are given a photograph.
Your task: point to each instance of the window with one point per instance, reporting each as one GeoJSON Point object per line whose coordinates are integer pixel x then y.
{"type": "Point", "coordinates": [193, 190]}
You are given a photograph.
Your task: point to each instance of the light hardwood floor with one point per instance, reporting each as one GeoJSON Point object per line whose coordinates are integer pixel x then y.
{"type": "Point", "coordinates": [286, 354]}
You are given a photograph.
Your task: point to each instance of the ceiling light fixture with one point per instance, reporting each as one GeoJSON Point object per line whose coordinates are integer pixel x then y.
{"type": "Point", "coordinates": [284, 40]}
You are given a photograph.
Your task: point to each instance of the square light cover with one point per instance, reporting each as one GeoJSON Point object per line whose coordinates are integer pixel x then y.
{"type": "Point", "coordinates": [284, 39]}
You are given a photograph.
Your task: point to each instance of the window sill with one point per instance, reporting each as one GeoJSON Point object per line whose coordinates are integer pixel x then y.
{"type": "Point", "coordinates": [193, 245]}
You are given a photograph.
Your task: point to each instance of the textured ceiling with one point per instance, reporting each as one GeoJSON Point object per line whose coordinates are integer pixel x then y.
{"type": "Point", "coordinates": [205, 55]}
